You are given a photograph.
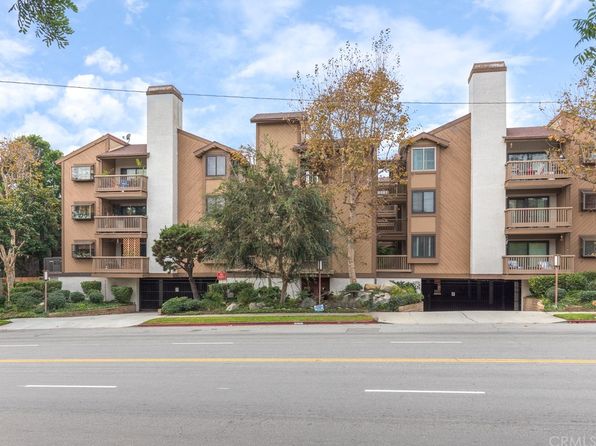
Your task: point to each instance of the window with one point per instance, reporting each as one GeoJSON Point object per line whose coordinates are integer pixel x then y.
{"type": "Point", "coordinates": [589, 155]}
{"type": "Point", "coordinates": [132, 171]}
{"type": "Point", "coordinates": [216, 166]}
{"type": "Point", "coordinates": [83, 249]}
{"type": "Point", "coordinates": [423, 159]}
{"type": "Point", "coordinates": [214, 202]}
{"type": "Point", "coordinates": [588, 201]}
{"type": "Point", "coordinates": [423, 202]}
{"type": "Point", "coordinates": [135, 209]}
{"type": "Point", "coordinates": [527, 156]}
{"type": "Point", "coordinates": [82, 173]}
{"type": "Point", "coordinates": [524, 248]}
{"type": "Point", "coordinates": [589, 247]}
{"type": "Point", "coordinates": [423, 246]}
{"type": "Point", "coordinates": [527, 202]}
{"type": "Point", "coordinates": [83, 211]}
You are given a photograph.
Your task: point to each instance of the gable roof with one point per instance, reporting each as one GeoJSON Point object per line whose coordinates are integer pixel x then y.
{"type": "Point", "coordinates": [130, 150]}
{"type": "Point", "coordinates": [76, 152]}
{"type": "Point", "coordinates": [528, 133]}
{"type": "Point", "coordinates": [212, 145]}
{"type": "Point", "coordinates": [424, 136]}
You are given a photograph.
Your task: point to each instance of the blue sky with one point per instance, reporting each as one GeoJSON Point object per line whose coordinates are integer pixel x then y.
{"type": "Point", "coordinates": [255, 47]}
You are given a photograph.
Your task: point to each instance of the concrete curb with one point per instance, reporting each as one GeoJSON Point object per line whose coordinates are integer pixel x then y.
{"type": "Point", "coordinates": [231, 324]}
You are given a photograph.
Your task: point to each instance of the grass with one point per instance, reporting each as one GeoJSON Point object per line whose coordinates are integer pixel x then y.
{"type": "Point", "coordinates": [577, 316]}
{"type": "Point", "coordinates": [4, 322]}
{"type": "Point", "coordinates": [258, 319]}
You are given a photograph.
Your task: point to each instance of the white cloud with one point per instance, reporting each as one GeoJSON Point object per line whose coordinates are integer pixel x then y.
{"type": "Point", "coordinates": [105, 61]}
{"type": "Point", "coordinates": [261, 16]}
{"type": "Point", "coordinates": [133, 9]}
{"type": "Point", "coordinates": [12, 50]}
{"type": "Point", "coordinates": [530, 17]}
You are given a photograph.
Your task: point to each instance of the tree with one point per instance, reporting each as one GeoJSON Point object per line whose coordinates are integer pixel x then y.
{"type": "Point", "coordinates": [49, 18]}
{"type": "Point", "coordinates": [50, 172]}
{"type": "Point", "coordinates": [270, 223]}
{"type": "Point", "coordinates": [586, 28]}
{"type": "Point", "coordinates": [8, 256]}
{"type": "Point", "coordinates": [18, 165]}
{"type": "Point", "coordinates": [353, 118]}
{"type": "Point", "coordinates": [181, 246]}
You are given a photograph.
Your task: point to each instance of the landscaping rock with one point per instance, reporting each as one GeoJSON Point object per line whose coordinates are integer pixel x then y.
{"type": "Point", "coordinates": [594, 303]}
{"type": "Point", "coordinates": [256, 305]}
{"type": "Point", "coordinates": [307, 302]}
{"type": "Point", "coordinates": [232, 307]}
{"type": "Point", "coordinates": [411, 308]}
{"type": "Point", "coordinates": [371, 286]}
{"type": "Point", "coordinates": [382, 298]}
{"type": "Point", "coordinates": [387, 288]}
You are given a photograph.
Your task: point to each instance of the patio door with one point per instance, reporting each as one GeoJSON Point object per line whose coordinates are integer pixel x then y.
{"type": "Point", "coordinates": [527, 248]}
{"type": "Point", "coordinates": [540, 215]}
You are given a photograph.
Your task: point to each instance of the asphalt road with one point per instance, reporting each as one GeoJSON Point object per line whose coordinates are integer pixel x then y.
{"type": "Point", "coordinates": [329, 385]}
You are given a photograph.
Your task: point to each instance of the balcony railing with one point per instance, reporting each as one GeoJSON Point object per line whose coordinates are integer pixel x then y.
{"type": "Point", "coordinates": [391, 190]}
{"type": "Point", "coordinates": [120, 183]}
{"type": "Point", "coordinates": [121, 224]}
{"type": "Point", "coordinates": [52, 264]}
{"type": "Point", "coordinates": [391, 226]}
{"type": "Point", "coordinates": [536, 264]}
{"type": "Point", "coordinates": [120, 265]}
{"type": "Point", "coordinates": [553, 217]}
{"type": "Point", "coordinates": [536, 170]}
{"type": "Point", "coordinates": [393, 263]}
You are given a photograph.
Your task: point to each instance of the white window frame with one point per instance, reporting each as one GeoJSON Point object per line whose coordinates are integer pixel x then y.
{"type": "Point", "coordinates": [424, 159]}
{"type": "Point", "coordinates": [74, 177]}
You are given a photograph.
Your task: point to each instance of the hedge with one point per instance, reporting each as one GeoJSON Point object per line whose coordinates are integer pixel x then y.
{"type": "Point", "coordinates": [122, 294]}
{"type": "Point", "coordinates": [180, 305]}
{"type": "Point", "coordinates": [56, 300]}
{"type": "Point", "coordinates": [53, 285]}
{"type": "Point", "coordinates": [539, 285]}
{"type": "Point", "coordinates": [95, 296]}
{"type": "Point", "coordinates": [77, 296]}
{"type": "Point", "coordinates": [90, 285]}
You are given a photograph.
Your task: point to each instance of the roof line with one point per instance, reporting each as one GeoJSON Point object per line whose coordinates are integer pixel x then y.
{"type": "Point", "coordinates": [88, 145]}
{"type": "Point", "coordinates": [450, 123]}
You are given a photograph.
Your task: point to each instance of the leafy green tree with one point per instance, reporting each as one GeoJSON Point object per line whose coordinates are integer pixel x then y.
{"type": "Point", "coordinates": [48, 17]}
{"type": "Point", "coordinates": [181, 246]}
{"type": "Point", "coordinates": [50, 172]}
{"type": "Point", "coordinates": [270, 223]}
{"type": "Point", "coordinates": [586, 28]}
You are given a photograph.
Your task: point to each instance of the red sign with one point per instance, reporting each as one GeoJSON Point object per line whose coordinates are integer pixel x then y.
{"type": "Point", "coordinates": [221, 275]}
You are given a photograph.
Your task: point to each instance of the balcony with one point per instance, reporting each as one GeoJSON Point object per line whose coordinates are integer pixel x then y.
{"type": "Point", "coordinates": [389, 190]}
{"type": "Point", "coordinates": [120, 266]}
{"type": "Point", "coordinates": [391, 227]}
{"type": "Point", "coordinates": [538, 220]}
{"type": "Point", "coordinates": [121, 186]}
{"type": "Point", "coordinates": [393, 264]}
{"type": "Point", "coordinates": [312, 268]}
{"type": "Point", "coordinates": [118, 225]}
{"type": "Point", "coordinates": [536, 174]}
{"type": "Point", "coordinates": [536, 264]}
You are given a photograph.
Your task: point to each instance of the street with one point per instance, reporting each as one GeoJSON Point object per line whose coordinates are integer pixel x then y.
{"type": "Point", "coordinates": [336, 385]}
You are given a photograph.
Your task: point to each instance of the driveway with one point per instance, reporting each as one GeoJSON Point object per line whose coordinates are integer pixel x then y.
{"type": "Point", "coordinates": [104, 321]}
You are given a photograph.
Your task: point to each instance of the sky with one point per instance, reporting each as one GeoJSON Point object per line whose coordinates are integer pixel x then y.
{"type": "Point", "coordinates": [255, 48]}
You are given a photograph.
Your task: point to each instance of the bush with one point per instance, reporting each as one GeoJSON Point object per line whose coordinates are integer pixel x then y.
{"type": "Point", "coordinates": [77, 296]}
{"type": "Point", "coordinates": [540, 284]}
{"type": "Point", "coordinates": [180, 305]}
{"type": "Point", "coordinates": [122, 294]}
{"type": "Point", "coordinates": [56, 300]}
{"type": "Point", "coordinates": [550, 294]}
{"type": "Point", "coordinates": [235, 288]}
{"type": "Point", "coordinates": [573, 282]}
{"type": "Point", "coordinates": [219, 288]}
{"type": "Point", "coordinates": [90, 285]}
{"type": "Point", "coordinates": [2, 300]}
{"type": "Point", "coordinates": [26, 301]}
{"type": "Point", "coordinates": [247, 295]}
{"type": "Point", "coordinates": [409, 298]}
{"type": "Point", "coordinates": [353, 287]}
{"type": "Point", "coordinates": [53, 285]}
{"type": "Point", "coordinates": [215, 292]}
{"type": "Point", "coordinates": [591, 286]}
{"type": "Point", "coordinates": [95, 296]}
{"type": "Point", "coordinates": [587, 296]}
{"type": "Point", "coordinates": [270, 295]}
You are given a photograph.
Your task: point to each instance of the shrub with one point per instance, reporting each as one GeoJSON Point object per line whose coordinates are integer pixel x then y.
{"type": "Point", "coordinates": [572, 282]}
{"type": "Point", "coordinates": [95, 296]}
{"type": "Point", "coordinates": [409, 298]}
{"type": "Point", "coordinates": [35, 294]}
{"type": "Point", "coordinates": [407, 286]}
{"type": "Point", "coordinates": [235, 288]}
{"type": "Point", "coordinates": [90, 285]}
{"type": "Point", "coordinates": [77, 296]}
{"type": "Point", "coordinates": [219, 288]}
{"type": "Point", "coordinates": [540, 284]}
{"type": "Point", "coordinates": [353, 287]}
{"type": "Point", "coordinates": [2, 300]}
{"type": "Point", "coordinates": [180, 305]}
{"type": "Point", "coordinates": [270, 295]}
{"type": "Point", "coordinates": [591, 286]}
{"type": "Point", "coordinates": [56, 300]}
{"type": "Point", "coordinates": [122, 294]}
{"type": "Point", "coordinates": [215, 292]}
{"type": "Point", "coordinates": [590, 276]}
{"type": "Point", "coordinates": [53, 285]}
{"type": "Point", "coordinates": [247, 295]}
{"type": "Point", "coordinates": [25, 301]}
{"type": "Point", "coordinates": [550, 293]}
{"type": "Point", "coordinates": [587, 296]}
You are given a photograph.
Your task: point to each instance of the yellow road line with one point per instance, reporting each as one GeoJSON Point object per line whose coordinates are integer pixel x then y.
{"type": "Point", "coordinates": [302, 360]}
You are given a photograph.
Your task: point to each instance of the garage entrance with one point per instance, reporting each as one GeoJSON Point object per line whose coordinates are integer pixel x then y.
{"type": "Point", "coordinates": [154, 292]}
{"type": "Point", "coordinates": [461, 295]}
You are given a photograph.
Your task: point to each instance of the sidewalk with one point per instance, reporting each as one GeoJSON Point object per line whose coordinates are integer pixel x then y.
{"type": "Point", "coordinates": [468, 317]}
{"type": "Point", "coordinates": [104, 321]}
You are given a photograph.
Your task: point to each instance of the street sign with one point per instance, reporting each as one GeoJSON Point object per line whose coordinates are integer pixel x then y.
{"type": "Point", "coordinates": [221, 275]}
{"type": "Point", "coordinates": [319, 308]}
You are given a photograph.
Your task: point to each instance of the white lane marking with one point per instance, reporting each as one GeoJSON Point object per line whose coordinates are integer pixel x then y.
{"type": "Point", "coordinates": [464, 392]}
{"type": "Point", "coordinates": [223, 388]}
{"type": "Point", "coordinates": [202, 343]}
{"type": "Point", "coordinates": [19, 345]}
{"type": "Point", "coordinates": [60, 386]}
{"type": "Point", "coordinates": [425, 342]}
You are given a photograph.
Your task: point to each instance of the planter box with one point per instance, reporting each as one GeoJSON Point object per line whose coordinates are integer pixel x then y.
{"type": "Point", "coordinates": [412, 308]}
{"type": "Point", "coordinates": [533, 304]}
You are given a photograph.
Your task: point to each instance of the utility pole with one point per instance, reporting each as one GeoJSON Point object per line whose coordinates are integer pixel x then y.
{"type": "Point", "coordinates": [557, 262]}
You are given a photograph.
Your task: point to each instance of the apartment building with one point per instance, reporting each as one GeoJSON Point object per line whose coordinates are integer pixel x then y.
{"type": "Point", "coordinates": [485, 206]}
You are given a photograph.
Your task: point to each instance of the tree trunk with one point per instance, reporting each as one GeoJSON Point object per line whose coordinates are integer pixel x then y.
{"type": "Point", "coordinates": [9, 258]}
{"type": "Point", "coordinates": [351, 251]}
{"type": "Point", "coordinates": [284, 290]}
{"type": "Point", "coordinates": [193, 284]}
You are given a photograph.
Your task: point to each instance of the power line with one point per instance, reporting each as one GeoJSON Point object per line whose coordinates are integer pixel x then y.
{"type": "Point", "coordinates": [260, 98]}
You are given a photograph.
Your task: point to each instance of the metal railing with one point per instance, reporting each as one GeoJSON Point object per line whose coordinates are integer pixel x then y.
{"type": "Point", "coordinates": [536, 264]}
{"type": "Point", "coordinates": [52, 264]}
{"type": "Point", "coordinates": [536, 170]}
{"type": "Point", "coordinates": [393, 263]}
{"type": "Point", "coordinates": [553, 217]}
{"type": "Point", "coordinates": [391, 226]}
{"type": "Point", "coordinates": [120, 183]}
{"type": "Point", "coordinates": [121, 224]}
{"type": "Point", "coordinates": [120, 265]}
{"type": "Point", "coordinates": [390, 190]}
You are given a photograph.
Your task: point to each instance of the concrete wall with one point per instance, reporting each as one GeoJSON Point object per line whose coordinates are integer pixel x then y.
{"type": "Point", "coordinates": [73, 283]}
{"type": "Point", "coordinates": [133, 283]}
{"type": "Point", "coordinates": [487, 87]}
